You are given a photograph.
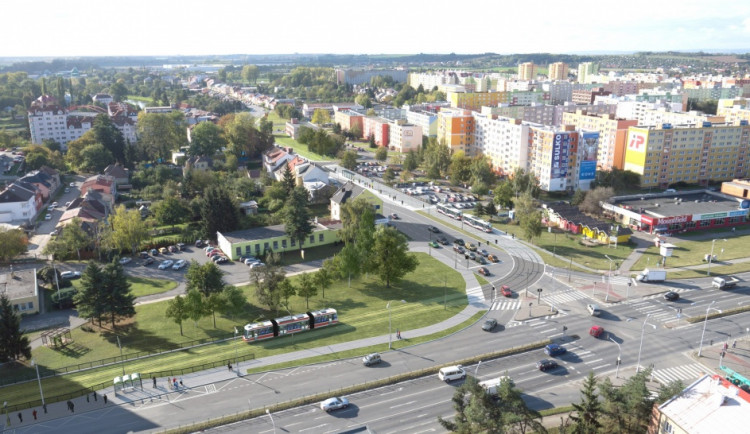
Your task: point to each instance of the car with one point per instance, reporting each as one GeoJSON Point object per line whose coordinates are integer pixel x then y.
{"type": "Point", "coordinates": [481, 260]}
{"type": "Point", "coordinates": [472, 247]}
{"type": "Point", "coordinates": [459, 241]}
{"type": "Point", "coordinates": [593, 309]}
{"type": "Point", "coordinates": [180, 246]}
{"type": "Point", "coordinates": [199, 243]}
{"type": "Point", "coordinates": [433, 229]}
{"type": "Point", "coordinates": [257, 265]}
{"type": "Point", "coordinates": [163, 250]}
{"type": "Point", "coordinates": [209, 248]}
{"type": "Point", "coordinates": [671, 296]}
{"type": "Point", "coordinates": [53, 205]}
{"type": "Point", "coordinates": [484, 271]}
{"type": "Point", "coordinates": [125, 261]}
{"type": "Point", "coordinates": [434, 244]}
{"type": "Point", "coordinates": [148, 261]}
{"type": "Point", "coordinates": [67, 204]}
{"type": "Point", "coordinates": [554, 350]}
{"type": "Point", "coordinates": [70, 275]}
{"type": "Point", "coordinates": [546, 365]}
{"type": "Point", "coordinates": [489, 325]}
{"type": "Point", "coordinates": [492, 258]}
{"type": "Point", "coordinates": [331, 404]}
{"type": "Point", "coordinates": [596, 331]}
{"type": "Point", "coordinates": [459, 249]}
{"type": "Point", "coordinates": [472, 256]}
{"type": "Point", "coordinates": [371, 359]}
{"type": "Point", "coordinates": [484, 253]}
{"type": "Point", "coordinates": [154, 252]}
{"type": "Point", "coordinates": [394, 216]}
{"type": "Point", "coordinates": [216, 258]}
{"type": "Point", "coordinates": [172, 249]}
{"type": "Point", "coordinates": [55, 233]}
{"type": "Point", "coordinates": [442, 240]}
{"type": "Point", "coordinates": [505, 290]}
{"type": "Point", "coordinates": [67, 190]}
{"type": "Point", "coordinates": [48, 216]}
{"type": "Point", "coordinates": [250, 261]}
{"type": "Point", "coordinates": [166, 264]}
{"type": "Point", "coordinates": [72, 184]}
{"type": "Point", "coordinates": [179, 264]}
{"type": "Point", "coordinates": [214, 252]}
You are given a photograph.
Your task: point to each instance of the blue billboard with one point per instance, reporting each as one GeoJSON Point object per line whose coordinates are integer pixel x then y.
{"type": "Point", "coordinates": [588, 149]}
{"type": "Point", "coordinates": [560, 156]}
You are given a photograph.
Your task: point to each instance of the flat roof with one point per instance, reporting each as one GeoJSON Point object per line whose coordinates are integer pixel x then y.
{"type": "Point", "coordinates": [266, 232]}
{"type": "Point", "coordinates": [677, 204]}
{"type": "Point", "coordinates": [21, 285]}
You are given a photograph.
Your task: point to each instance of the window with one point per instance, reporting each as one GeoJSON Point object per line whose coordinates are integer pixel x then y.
{"type": "Point", "coordinates": [312, 239]}
{"type": "Point", "coordinates": [320, 238]}
{"type": "Point", "coordinates": [247, 249]}
{"type": "Point", "coordinates": [283, 244]}
{"type": "Point", "coordinates": [276, 245]}
{"type": "Point", "coordinates": [265, 246]}
{"type": "Point", "coordinates": [293, 242]}
{"type": "Point", "coordinates": [257, 249]}
{"type": "Point", "coordinates": [239, 251]}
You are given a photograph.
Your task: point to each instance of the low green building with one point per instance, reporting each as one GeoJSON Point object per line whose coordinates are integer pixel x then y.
{"type": "Point", "coordinates": [257, 241]}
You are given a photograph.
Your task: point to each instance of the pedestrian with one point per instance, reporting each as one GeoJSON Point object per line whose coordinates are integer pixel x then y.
{"type": "Point", "coordinates": [229, 365]}
{"type": "Point", "coordinates": [726, 346]}
{"type": "Point", "coordinates": [181, 385]}
{"type": "Point", "coordinates": [34, 413]}
{"type": "Point", "coordinates": [154, 378]}
{"type": "Point", "coordinates": [72, 407]}
{"type": "Point", "coordinates": [105, 399]}
{"type": "Point", "coordinates": [44, 406]}
{"type": "Point", "coordinates": [96, 397]}
{"type": "Point", "coordinates": [734, 343]}
{"type": "Point", "coordinates": [20, 417]}
{"type": "Point", "coordinates": [174, 382]}
{"type": "Point", "coordinates": [87, 398]}
{"type": "Point", "coordinates": [69, 405]}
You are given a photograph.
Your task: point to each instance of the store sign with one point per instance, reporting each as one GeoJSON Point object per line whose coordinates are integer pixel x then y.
{"type": "Point", "coordinates": [738, 213]}
{"type": "Point", "coordinates": [647, 220]}
{"type": "Point", "coordinates": [710, 216]}
{"type": "Point", "coordinates": [675, 219]}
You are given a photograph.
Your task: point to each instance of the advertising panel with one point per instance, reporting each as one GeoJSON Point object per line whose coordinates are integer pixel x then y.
{"type": "Point", "coordinates": [738, 213]}
{"type": "Point", "coordinates": [647, 220]}
{"type": "Point", "coordinates": [674, 219]}
{"type": "Point", "coordinates": [560, 149]}
{"type": "Point", "coordinates": [590, 147]}
{"type": "Point", "coordinates": [635, 150]}
{"type": "Point", "coordinates": [709, 216]}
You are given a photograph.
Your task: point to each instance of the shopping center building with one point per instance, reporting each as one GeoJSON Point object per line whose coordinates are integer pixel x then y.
{"type": "Point", "coordinates": [678, 211]}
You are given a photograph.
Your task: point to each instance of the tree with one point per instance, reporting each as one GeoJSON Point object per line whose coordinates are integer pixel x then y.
{"type": "Point", "coordinates": [13, 343]}
{"type": "Point", "coordinates": [177, 311]}
{"type": "Point", "coordinates": [490, 209]}
{"type": "Point", "coordinates": [234, 301]}
{"type": "Point", "coordinates": [503, 194]}
{"type": "Point", "coordinates": [160, 133]}
{"type": "Point", "coordinates": [479, 210]}
{"type": "Point", "coordinates": [381, 154]}
{"type": "Point", "coordinates": [410, 162]}
{"type": "Point", "coordinates": [627, 408]}
{"type": "Point", "coordinates": [170, 211]}
{"type": "Point", "coordinates": [106, 133]}
{"type": "Point", "coordinates": [532, 225]}
{"type": "Point", "coordinates": [667, 391]}
{"type": "Point", "coordinates": [94, 158]}
{"type": "Point", "coordinates": [89, 299]}
{"type": "Point", "coordinates": [516, 416]}
{"type": "Point", "coordinates": [206, 139]}
{"type": "Point", "coordinates": [324, 276]}
{"type": "Point", "coordinates": [437, 158]}
{"type": "Point", "coordinates": [127, 229]}
{"type": "Point", "coordinates": [243, 137]}
{"type": "Point", "coordinates": [194, 306]}
{"type": "Point", "coordinates": [250, 73]}
{"type": "Point", "coordinates": [363, 100]}
{"type": "Point", "coordinates": [321, 116]}
{"type": "Point", "coordinates": [475, 411]}
{"type": "Point", "coordinates": [306, 288]}
{"type": "Point", "coordinates": [286, 291]}
{"type": "Point", "coordinates": [349, 160]}
{"type": "Point", "coordinates": [390, 255]}
{"type": "Point", "coordinates": [118, 91]}
{"type": "Point", "coordinates": [460, 168]}
{"type": "Point", "coordinates": [218, 211]}
{"type": "Point", "coordinates": [388, 176]}
{"type": "Point", "coordinates": [592, 203]}
{"type": "Point", "coordinates": [215, 302]}
{"type": "Point", "coordinates": [479, 188]}
{"type": "Point", "coordinates": [481, 170]}
{"type": "Point", "coordinates": [525, 204]}
{"type": "Point", "coordinates": [117, 300]}
{"type": "Point", "coordinates": [288, 181]}
{"type": "Point", "coordinates": [352, 214]}
{"type": "Point", "coordinates": [296, 215]}
{"type": "Point", "coordinates": [13, 242]}
{"type": "Point", "coordinates": [207, 278]}
{"type": "Point", "coordinates": [578, 197]}
{"type": "Point", "coordinates": [589, 410]}
{"type": "Point", "coordinates": [73, 238]}
{"type": "Point", "coordinates": [267, 281]}
{"type": "Point", "coordinates": [347, 262]}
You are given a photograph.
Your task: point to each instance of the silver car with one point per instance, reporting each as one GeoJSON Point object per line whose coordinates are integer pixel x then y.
{"type": "Point", "coordinates": [331, 404]}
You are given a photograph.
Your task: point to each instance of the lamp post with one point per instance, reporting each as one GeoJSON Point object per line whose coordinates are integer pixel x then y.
{"type": "Point", "coordinates": [38, 379]}
{"type": "Point", "coordinates": [268, 412]}
{"type": "Point", "coordinates": [429, 243]}
{"type": "Point", "coordinates": [705, 322]}
{"type": "Point", "coordinates": [643, 329]}
{"type": "Point", "coordinates": [121, 357]}
{"type": "Point", "coordinates": [236, 361]}
{"type": "Point", "coordinates": [57, 283]}
{"type": "Point", "coordinates": [609, 279]}
{"type": "Point", "coordinates": [388, 306]}
{"type": "Point", "coordinates": [5, 408]}
{"type": "Point", "coordinates": [619, 354]}
{"type": "Point", "coordinates": [711, 256]}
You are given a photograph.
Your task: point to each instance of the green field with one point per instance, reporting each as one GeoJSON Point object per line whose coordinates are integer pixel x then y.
{"type": "Point", "coordinates": [362, 311]}
{"type": "Point", "coordinates": [299, 148]}
{"type": "Point", "coordinates": [141, 286]}
{"type": "Point", "coordinates": [691, 252]}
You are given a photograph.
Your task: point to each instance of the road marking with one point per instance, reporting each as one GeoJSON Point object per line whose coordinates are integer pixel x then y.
{"type": "Point", "coordinates": [600, 366]}
{"type": "Point", "coordinates": [548, 330]}
{"type": "Point", "coordinates": [313, 427]}
{"type": "Point", "coordinates": [407, 403]}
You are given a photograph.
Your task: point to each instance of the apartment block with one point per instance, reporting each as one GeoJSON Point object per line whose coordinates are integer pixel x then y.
{"type": "Point", "coordinates": [734, 109]}
{"type": "Point", "coordinates": [348, 119]}
{"type": "Point", "coordinates": [558, 71]}
{"type": "Point", "coordinates": [475, 100]}
{"type": "Point", "coordinates": [503, 140]}
{"type": "Point", "coordinates": [405, 137]}
{"type": "Point", "coordinates": [713, 93]}
{"type": "Point", "coordinates": [527, 71]}
{"type": "Point", "coordinates": [586, 70]}
{"type": "Point", "coordinates": [587, 96]}
{"type": "Point", "coordinates": [456, 129]}
{"type": "Point", "coordinates": [612, 131]}
{"type": "Point", "coordinates": [620, 88]}
{"type": "Point", "coordinates": [360, 76]}
{"type": "Point", "coordinates": [563, 159]}
{"type": "Point", "coordinates": [427, 120]}
{"type": "Point", "coordinates": [695, 154]}
{"type": "Point", "coordinates": [431, 80]}
{"type": "Point", "coordinates": [378, 128]}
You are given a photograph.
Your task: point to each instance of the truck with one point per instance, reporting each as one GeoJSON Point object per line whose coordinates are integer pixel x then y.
{"type": "Point", "coordinates": [652, 276]}
{"type": "Point", "coordinates": [725, 282]}
{"type": "Point", "coordinates": [491, 386]}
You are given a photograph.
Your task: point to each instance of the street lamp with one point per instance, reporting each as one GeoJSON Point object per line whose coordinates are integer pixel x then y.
{"type": "Point", "coordinates": [705, 322]}
{"type": "Point", "coordinates": [236, 361]}
{"type": "Point", "coordinates": [38, 379]}
{"type": "Point", "coordinates": [268, 412]}
{"type": "Point", "coordinates": [121, 357]}
{"type": "Point", "coordinates": [711, 256]}
{"type": "Point", "coordinates": [609, 278]}
{"type": "Point", "coordinates": [388, 306]}
{"type": "Point", "coordinates": [429, 243]}
{"type": "Point", "coordinates": [619, 354]}
{"type": "Point", "coordinates": [643, 329]}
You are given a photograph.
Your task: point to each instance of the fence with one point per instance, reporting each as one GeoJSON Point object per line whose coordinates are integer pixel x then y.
{"type": "Point", "coordinates": [144, 376]}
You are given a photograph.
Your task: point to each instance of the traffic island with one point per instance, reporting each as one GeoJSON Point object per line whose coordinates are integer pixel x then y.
{"type": "Point", "coordinates": [530, 309]}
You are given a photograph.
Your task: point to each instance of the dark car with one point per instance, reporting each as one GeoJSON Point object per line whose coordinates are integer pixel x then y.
{"type": "Point", "coordinates": [433, 229]}
{"type": "Point", "coordinates": [442, 240]}
{"type": "Point", "coordinates": [481, 260]}
{"type": "Point", "coordinates": [484, 271]}
{"type": "Point", "coordinates": [489, 325]}
{"type": "Point", "coordinates": [671, 296]}
{"type": "Point", "coordinates": [484, 253]}
{"type": "Point", "coordinates": [459, 241]}
{"type": "Point", "coordinates": [554, 350]}
{"type": "Point", "coordinates": [154, 252]}
{"type": "Point", "coordinates": [144, 255]}
{"type": "Point", "coordinates": [546, 365]}
{"type": "Point", "coordinates": [472, 256]}
{"type": "Point", "coordinates": [458, 249]}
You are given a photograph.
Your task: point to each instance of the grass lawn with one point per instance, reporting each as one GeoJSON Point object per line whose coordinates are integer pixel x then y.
{"type": "Point", "coordinates": [311, 254]}
{"type": "Point", "coordinates": [362, 313]}
{"type": "Point", "coordinates": [299, 148]}
{"type": "Point", "coordinates": [691, 252]}
{"type": "Point", "coordinates": [141, 286]}
{"type": "Point", "coordinates": [482, 281]}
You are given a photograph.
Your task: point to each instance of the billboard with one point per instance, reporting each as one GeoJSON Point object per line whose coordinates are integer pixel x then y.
{"type": "Point", "coordinates": [560, 156]}
{"type": "Point", "coordinates": [589, 148]}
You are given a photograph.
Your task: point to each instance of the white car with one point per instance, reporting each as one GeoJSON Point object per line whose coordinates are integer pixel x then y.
{"type": "Point", "coordinates": [334, 404]}
{"type": "Point", "coordinates": [48, 216]}
{"type": "Point", "coordinates": [54, 205]}
{"type": "Point", "coordinates": [72, 184]}
{"type": "Point", "coordinates": [166, 264]}
{"type": "Point", "coordinates": [125, 261]}
{"type": "Point", "coordinates": [70, 274]}
{"type": "Point", "coordinates": [251, 261]}
{"type": "Point", "coordinates": [257, 265]}
{"type": "Point", "coordinates": [179, 264]}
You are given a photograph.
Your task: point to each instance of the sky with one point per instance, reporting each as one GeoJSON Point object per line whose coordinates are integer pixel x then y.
{"type": "Point", "coordinates": [197, 27]}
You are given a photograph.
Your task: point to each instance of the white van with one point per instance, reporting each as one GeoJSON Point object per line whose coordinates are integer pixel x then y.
{"type": "Point", "coordinates": [593, 310]}
{"type": "Point", "coordinates": [451, 373]}
{"type": "Point", "coordinates": [490, 386]}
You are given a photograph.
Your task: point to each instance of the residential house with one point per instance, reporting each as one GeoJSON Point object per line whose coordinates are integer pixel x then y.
{"type": "Point", "coordinates": [103, 184]}
{"type": "Point", "coordinates": [315, 180]}
{"type": "Point", "coordinates": [348, 192]}
{"type": "Point", "coordinates": [259, 241]}
{"type": "Point", "coordinates": [202, 163]}
{"type": "Point", "coordinates": [274, 158]}
{"type": "Point", "coordinates": [119, 173]}
{"type": "Point", "coordinates": [102, 98]}
{"type": "Point", "coordinates": [41, 182]}
{"type": "Point", "coordinates": [20, 202]}
{"type": "Point", "coordinates": [22, 289]}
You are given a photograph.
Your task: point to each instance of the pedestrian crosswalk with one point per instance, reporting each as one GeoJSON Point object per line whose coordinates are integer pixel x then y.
{"type": "Point", "coordinates": [562, 297]}
{"type": "Point", "coordinates": [505, 305]}
{"type": "Point", "coordinates": [655, 311]}
{"type": "Point", "coordinates": [617, 280]}
{"type": "Point", "coordinates": [685, 373]}
{"type": "Point", "coordinates": [476, 295]}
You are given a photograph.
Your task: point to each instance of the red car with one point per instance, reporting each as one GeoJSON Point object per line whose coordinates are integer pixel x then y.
{"type": "Point", "coordinates": [596, 331]}
{"type": "Point", "coordinates": [505, 290]}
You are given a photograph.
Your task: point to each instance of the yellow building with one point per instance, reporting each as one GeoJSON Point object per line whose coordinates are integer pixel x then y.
{"type": "Point", "coordinates": [456, 130]}
{"type": "Point", "coordinates": [558, 71]}
{"type": "Point", "coordinates": [527, 71]}
{"type": "Point", "coordinates": [612, 135]}
{"type": "Point", "coordinates": [734, 109]}
{"type": "Point", "coordinates": [475, 100]}
{"type": "Point", "coordinates": [586, 70]}
{"type": "Point", "coordinates": [695, 154]}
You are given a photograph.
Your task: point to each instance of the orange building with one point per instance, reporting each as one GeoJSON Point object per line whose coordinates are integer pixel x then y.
{"type": "Point", "coordinates": [456, 130]}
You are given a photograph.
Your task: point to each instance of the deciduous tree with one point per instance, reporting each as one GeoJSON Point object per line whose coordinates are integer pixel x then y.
{"type": "Point", "coordinates": [177, 311]}
{"type": "Point", "coordinates": [390, 257]}
{"type": "Point", "coordinates": [13, 242]}
{"type": "Point", "coordinates": [306, 288]}
{"type": "Point", "coordinates": [321, 116]}
{"type": "Point", "coordinates": [127, 229]}
{"type": "Point", "coordinates": [207, 278]}
{"type": "Point", "coordinates": [381, 154]}
{"type": "Point", "coordinates": [349, 160]}
{"type": "Point", "coordinates": [206, 139]}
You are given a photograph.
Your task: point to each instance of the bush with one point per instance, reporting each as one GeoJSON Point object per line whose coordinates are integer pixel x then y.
{"type": "Point", "coordinates": [65, 298]}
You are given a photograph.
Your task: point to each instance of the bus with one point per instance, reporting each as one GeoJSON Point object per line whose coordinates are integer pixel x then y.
{"type": "Point", "coordinates": [450, 212]}
{"type": "Point", "coordinates": [477, 223]}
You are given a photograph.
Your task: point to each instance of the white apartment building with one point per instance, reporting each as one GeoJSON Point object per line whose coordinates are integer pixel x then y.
{"type": "Point", "coordinates": [425, 120]}
{"type": "Point", "coordinates": [405, 137]}
{"type": "Point", "coordinates": [503, 140]}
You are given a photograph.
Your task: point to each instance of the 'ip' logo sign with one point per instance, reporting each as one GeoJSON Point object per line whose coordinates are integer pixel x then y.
{"type": "Point", "coordinates": [636, 142]}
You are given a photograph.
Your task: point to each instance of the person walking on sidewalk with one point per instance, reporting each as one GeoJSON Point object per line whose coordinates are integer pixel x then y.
{"type": "Point", "coordinates": [229, 365]}
{"type": "Point", "coordinates": [734, 344]}
{"type": "Point", "coordinates": [33, 413]}
{"type": "Point", "coordinates": [20, 417]}
{"type": "Point", "coordinates": [154, 378]}
{"type": "Point", "coordinates": [105, 399]}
